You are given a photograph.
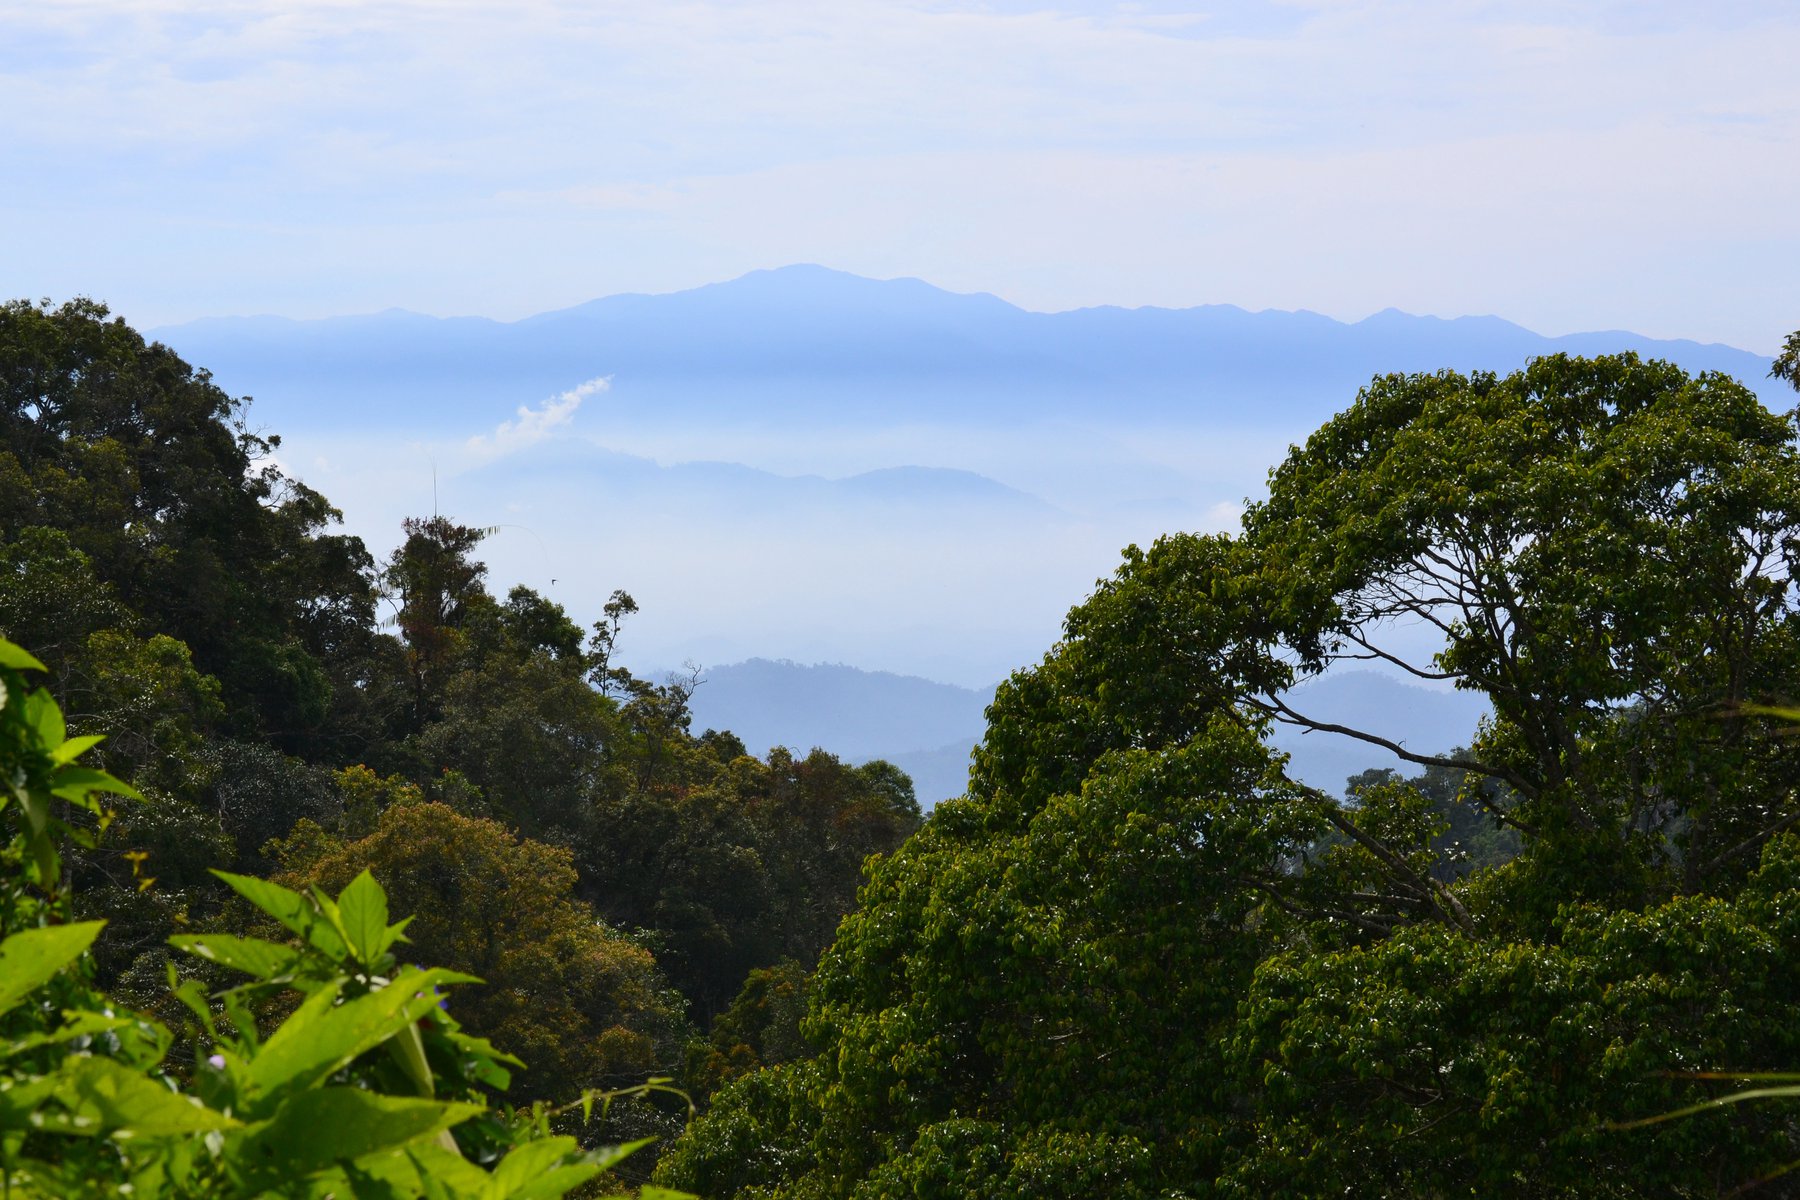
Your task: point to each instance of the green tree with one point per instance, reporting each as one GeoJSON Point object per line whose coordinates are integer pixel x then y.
{"type": "Point", "coordinates": [367, 1086]}
{"type": "Point", "coordinates": [583, 1005]}
{"type": "Point", "coordinates": [1787, 363]}
{"type": "Point", "coordinates": [150, 473]}
{"type": "Point", "coordinates": [1138, 960]}
{"type": "Point", "coordinates": [432, 580]}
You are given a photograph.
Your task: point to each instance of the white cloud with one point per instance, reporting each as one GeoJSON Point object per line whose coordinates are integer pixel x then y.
{"type": "Point", "coordinates": [533, 425]}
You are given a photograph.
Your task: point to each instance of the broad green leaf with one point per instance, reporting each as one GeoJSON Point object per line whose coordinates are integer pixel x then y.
{"type": "Point", "coordinates": [445, 1173]}
{"type": "Point", "coordinates": [319, 1039]}
{"type": "Point", "coordinates": [15, 658]}
{"type": "Point", "coordinates": [45, 719]}
{"type": "Point", "coordinates": [30, 959]}
{"type": "Point", "coordinates": [81, 1024]}
{"type": "Point", "coordinates": [37, 811]}
{"type": "Point", "coordinates": [19, 1101]}
{"type": "Point", "coordinates": [313, 1130]}
{"type": "Point", "coordinates": [74, 783]}
{"type": "Point", "coordinates": [290, 908]}
{"type": "Point", "coordinates": [329, 917]}
{"type": "Point", "coordinates": [75, 747]}
{"type": "Point", "coordinates": [608, 1157]}
{"type": "Point", "coordinates": [555, 1183]}
{"type": "Point", "coordinates": [527, 1162]}
{"type": "Point", "coordinates": [253, 956]}
{"type": "Point", "coordinates": [127, 1103]}
{"type": "Point", "coordinates": [651, 1192]}
{"type": "Point", "coordinates": [363, 913]}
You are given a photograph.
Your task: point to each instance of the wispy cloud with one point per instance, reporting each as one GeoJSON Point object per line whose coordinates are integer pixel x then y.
{"type": "Point", "coordinates": [533, 425]}
{"type": "Point", "coordinates": [311, 157]}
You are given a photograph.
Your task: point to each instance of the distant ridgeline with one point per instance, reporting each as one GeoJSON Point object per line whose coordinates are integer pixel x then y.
{"type": "Point", "coordinates": [929, 730]}
{"type": "Point", "coordinates": [803, 345]}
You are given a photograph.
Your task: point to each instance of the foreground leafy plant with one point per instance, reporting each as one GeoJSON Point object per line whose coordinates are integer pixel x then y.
{"type": "Point", "coordinates": [367, 1088]}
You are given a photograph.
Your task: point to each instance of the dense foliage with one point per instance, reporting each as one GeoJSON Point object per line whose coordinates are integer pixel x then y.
{"type": "Point", "coordinates": [1138, 960]}
{"type": "Point", "coordinates": [367, 1087]}
{"type": "Point", "coordinates": [287, 704]}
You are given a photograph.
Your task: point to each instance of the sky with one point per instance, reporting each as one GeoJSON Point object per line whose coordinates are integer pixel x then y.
{"type": "Point", "coordinates": [1570, 165]}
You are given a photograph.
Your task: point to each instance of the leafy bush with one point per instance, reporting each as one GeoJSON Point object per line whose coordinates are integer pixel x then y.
{"type": "Point", "coordinates": [367, 1088]}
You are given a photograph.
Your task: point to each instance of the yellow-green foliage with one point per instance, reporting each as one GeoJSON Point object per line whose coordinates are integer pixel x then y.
{"type": "Point", "coordinates": [583, 1005]}
{"type": "Point", "coordinates": [368, 1087]}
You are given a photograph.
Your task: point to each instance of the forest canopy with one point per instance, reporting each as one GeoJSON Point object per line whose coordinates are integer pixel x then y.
{"type": "Point", "coordinates": [289, 704]}
{"type": "Point", "coordinates": [1139, 960]}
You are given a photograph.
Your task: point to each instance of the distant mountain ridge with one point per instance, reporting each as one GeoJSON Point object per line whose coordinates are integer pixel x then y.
{"type": "Point", "coordinates": [926, 728]}
{"type": "Point", "coordinates": [805, 464]}
{"type": "Point", "coordinates": [929, 729]}
{"type": "Point", "coordinates": [804, 343]}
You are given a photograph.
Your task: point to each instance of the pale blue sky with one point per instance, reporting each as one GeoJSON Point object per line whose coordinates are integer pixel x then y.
{"type": "Point", "coordinates": [1567, 165]}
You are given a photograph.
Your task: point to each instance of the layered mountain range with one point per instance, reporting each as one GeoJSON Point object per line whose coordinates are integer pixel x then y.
{"type": "Point", "coordinates": [805, 465]}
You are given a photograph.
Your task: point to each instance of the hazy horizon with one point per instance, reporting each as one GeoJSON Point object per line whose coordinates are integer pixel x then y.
{"type": "Point", "coordinates": [804, 464]}
{"type": "Point", "coordinates": [1579, 165]}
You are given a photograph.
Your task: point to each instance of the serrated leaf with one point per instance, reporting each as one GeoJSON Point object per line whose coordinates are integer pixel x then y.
{"type": "Point", "coordinates": [608, 1157]}
{"type": "Point", "coordinates": [31, 958]}
{"type": "Point", "coordinates": [527, 1162]}
{"type": "Point", "coordinates": [555, 1183]}
{"type": "Point", "coordinates": [320, 1039]}
{"type": "Point", "coordinates": [441, 1173]}
{"type": "Point", "coordinates": [253, 956]}
{"type": "Point", "coordinates": [290, 908]}
{"type": "Point", "coordinates": [363, 916]}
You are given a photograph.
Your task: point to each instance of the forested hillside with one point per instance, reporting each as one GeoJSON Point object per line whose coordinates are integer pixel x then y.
{"type": "Point", "coordinates": [291, 705]}
{"type": "Point", "coordinates": [1138, 958]}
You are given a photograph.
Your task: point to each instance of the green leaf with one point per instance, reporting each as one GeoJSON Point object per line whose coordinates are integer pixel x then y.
{"type": "Point", "coordinates": [75, 747]}
{"type": "Point", "coordinates": [439, 1172]}
{"type": "Point", "coordinates": [608, 1157]}
{"type": "Point", "coordinates": [15, 658]}
{"type": "Point", "coordinates": [30, 959]}
{"type": "Point", "coordinates": [18, 1102]}
{"type": "Point", "coordinates": [290, 908]}
{"type": "Point", "coordinates": [74, 783]}
{"type": "Point", "coordinates": [363, 914]}
{"type": "Point", "coordinates": [555, 1183]}
{"type": "Point", "coordinates": [81, 1024]}
{"type": "Point", "coordinates": [525, 1163]}
{"type": "Point", "coordinates": [104, 1096]}
{"type": "Point", "coordinates": [314, 1130]}
{"type": "Point", "coordinates": [45, 719]}
{"type": "Point", "coordinates": [320, 1039]}
{"type": "Point", "coordinates": [253, 956]}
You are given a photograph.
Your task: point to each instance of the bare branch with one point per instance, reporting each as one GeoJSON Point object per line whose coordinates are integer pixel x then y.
{"type": "Point", "coordinates": [1751, 842]}
{"type": "Point", "coordinates": [1278, 709]}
